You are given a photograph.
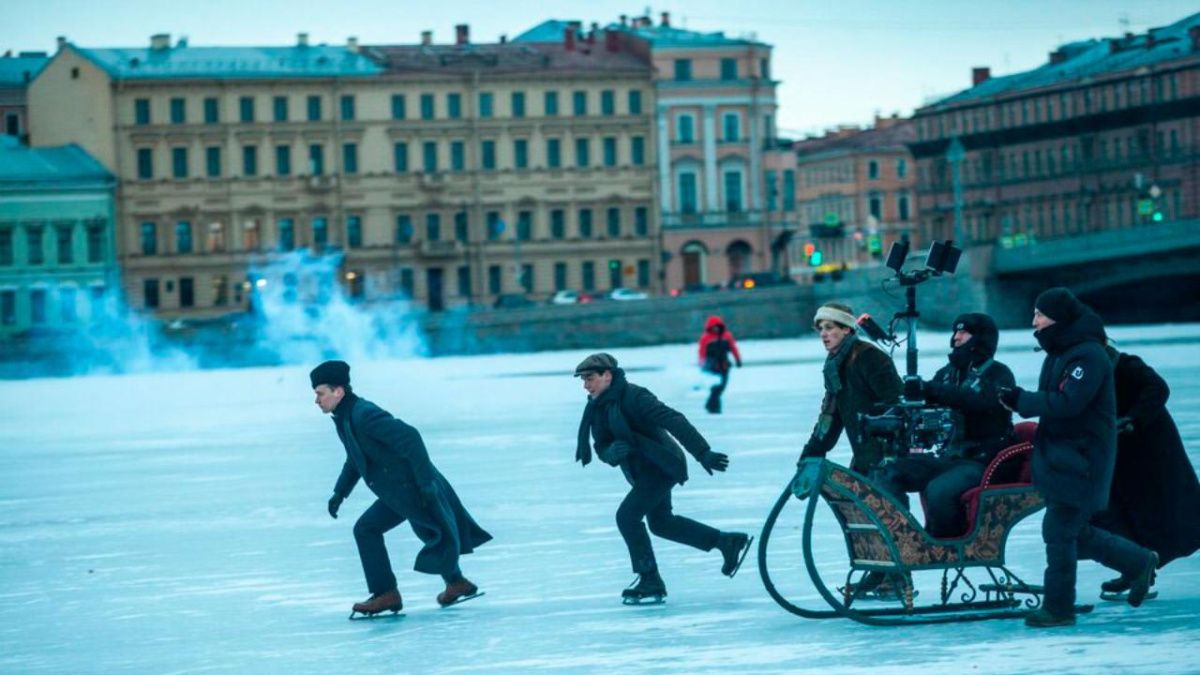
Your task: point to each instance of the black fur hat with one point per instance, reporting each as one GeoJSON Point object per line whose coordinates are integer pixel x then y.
{"type": "Point", "coordinates": [332, 373]}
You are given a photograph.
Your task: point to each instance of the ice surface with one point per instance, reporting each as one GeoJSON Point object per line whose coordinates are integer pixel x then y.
{"type": "Point", "coordinates": [175, 523]}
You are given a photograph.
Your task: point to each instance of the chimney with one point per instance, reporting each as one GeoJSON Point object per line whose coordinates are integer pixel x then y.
{"type": "Point", "coordinates": [426, 38]}
{"type": "Point", "coordinates": [1194, 35]}
{"type": "Point", "coordinates": [569, 38]}
{"type": "Point", "coordinates": [591, 38]}
{"type": "Point", "coordinates": [62, 42]}
{"type": "Point", "coordinates": [979, 75]}
{"type": "Point", "coordinates": [503, 38]}
{"type": "Point", "coordinates": [160, 41]}
{"type": "Point", "coordinates": [610, 41]}
{"type": "Point", "coordinates": [666, 19]}
{"type": "Point", "coordinates": [301, 39]}
{"type": "Point", "coordinates": [352, 44]}
{"type": "Point", "coordinates": [1057, 56]}
{"type": "Point", "coordinates": [624, 20]}
{"type": "Point", "coordinates": [462, 34]}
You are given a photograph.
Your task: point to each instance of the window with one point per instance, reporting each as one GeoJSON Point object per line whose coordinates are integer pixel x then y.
{"type": "Point", "coordinates": [687, 192]}
{"type": "Point", "coordinates": [873, 170]}
{"type": "Point", "coordinates": [426, 106]}
{"type": "Point", "coordinates": [406, 282]}
{"type": "Point", "coordinates": [494, 279]}
{"type": "Point", "coordinates": [347, 107]}
{"type": "Point", "coordinates": [179, 162]}
{"type": "Point", "coordinates": [582, 148]}
{"type": "Point", "coordinates": [95, 244]}
{"type": "Point", "coordinates": [400, 157]}
{"type": "Point", "coordinates": [287, 234]}
{"type": "Point", "coordinates": [875, 207]}
{"type": "Point", "coordinates": [608, 102]}
{"type": "Point", "coordinates": [183, 237]}
{"type": "Point", "coordinates": [150, 293]}
{"type": "Point", "coordinates": [560, 276]}
{"type": "Point", "coordinates": [399, 108]}
{"type": "Point", "coordinates": [187, 292]}
{"type": "Point", "coordinates": [461, 228]}
{"type": "Point", "coordinates": [641, 221]}
{"type": "Point", "coordinates": [65, 241]}
{"type": "Point", "coordinates": [220, 286]}
{"type": "Point", "coordinates": [212, 161]}
{"type": "Point", "coordinates": [314, 108]}
{"type": "Point", "coordinates": [404, 228]}
{"type": "Point", "coordinates": [141, 111]}
{"type": "Point", "coordinates": [518, 104]}
{"type": "Point", "coordinates": [433, 227]}
{"type": "Point", "coordinates": [250, 160]}
{"type": "Point", "coordinates": [429, 158]}
{"type": "Point", "coordinates": [772, 181]}
{"type": "Point", "coordinates": [33, 244]}
{"type": "Point", "coordinates": [685, 129]}
{"type": "Point", "coordinates": [283, 160]}
{"type": "Point", "coordinates": [279, 108]}
{"type": "Point", "coordinates": [635, 102]}
{"type": "Point", "coordinates": [178, 111]}
{"type": "Point", "coordinates": [637, 150]}
{"type": "Point", "coordinates": [8, 307]}
{"type": "Point", "coordinates": [733, 191]}
{"type": "Point", "coordinates": [524, 225]}
{"type": "Point", "coordinates": [6, 246]}
{"type": "Point", "coordinates": [487, 151]}
{"type": "Point", "coordinates": [527, 278]}
{"type": "Point", "coordinates": [495, 226]}
{"type": "Point", "coordinates": [521, 153]}
{"type": "Point", "coordinates": [145, 163]}
{"type": "Point", "coordinates": [149, 233]}
{"type": "Point", "coordinates": [354, 233]}
{"type": "Point", "coordinates": [458, 156]}
{"type": "Point", "coordinates": [585, 223]}
{"type": "Point", "coordinates": [901, 168]}
{"type": "Point", "coordinates": [610, 151]}
{"type": "Point", "coordinates": [350, 158]}
{"type": "Point", "coordinates": [550, 103]}
{"type": "Point", "coordinates": [454, 106]}
{"type": "Point", "coordinates": [320, 232]}
{"type": "Point", "coordinates": [729, 69]}
{"type": "Point", "coordinates": [643, 274]}
{"type": "Point", "coordinates": [558, 224]}
{"type": "Point", "coordinates": [731, 127]}
{"type": "Point", "coordinates": [683, 70]}
{"type": "Point", "coordinates": [212, 113]}
{"type": "Point", "coordinates": [579, 103]}
{"type": "Point", "coordinates": [464, 281]}
{"type": "Point", "coordinates": [316, 159]}
{"type": "Point", "coordinates": [588, 273]}
{"type": "Point", "coordinates": [612, 221]}
{"type": "Point", "coordinates": [486, 108]}
{"type": "Point", "coordinates": [553, 153]}
{"type": "Point", "coordinates": [246, 108]}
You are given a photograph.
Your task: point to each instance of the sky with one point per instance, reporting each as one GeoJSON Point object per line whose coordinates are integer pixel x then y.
{"type": "Point", "coordinates": [839, 62]}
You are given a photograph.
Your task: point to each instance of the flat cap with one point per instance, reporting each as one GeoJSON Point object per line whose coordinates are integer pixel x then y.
{"type": "Point", "coordinates": [596, 363]}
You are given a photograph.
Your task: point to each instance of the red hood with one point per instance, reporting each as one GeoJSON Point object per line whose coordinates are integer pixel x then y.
{"type": "Point", "coordinates": [714, 321]}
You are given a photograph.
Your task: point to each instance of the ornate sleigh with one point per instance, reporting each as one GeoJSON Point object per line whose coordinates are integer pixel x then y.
{"type": "Point", "coordinates": [882, 536]}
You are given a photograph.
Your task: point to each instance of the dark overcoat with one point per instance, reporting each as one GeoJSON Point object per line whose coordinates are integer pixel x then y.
{"type": "Point", "coordinates": [1076, 441]}
{"type": "Point", "coordinates": [1154, 493]}
{"type": "Point", "coordinates": [390, 457]}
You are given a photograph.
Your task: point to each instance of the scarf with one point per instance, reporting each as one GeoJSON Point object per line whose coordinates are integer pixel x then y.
{"type": "Point", "coordinates": [833, 365]}
{"type": "Point", "coordinates": [608, 403]}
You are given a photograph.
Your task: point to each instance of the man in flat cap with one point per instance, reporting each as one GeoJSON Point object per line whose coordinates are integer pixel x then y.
{"type": "Point", "coordinates": [390, 457]}
{"type": "Point", "coordinates": [633, 430]}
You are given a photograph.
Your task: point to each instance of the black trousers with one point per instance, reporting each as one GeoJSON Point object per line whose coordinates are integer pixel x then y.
{"type": "Point", "coordinates": [649, 499]}
{"type": "Point", "coordinates": [713, 404]}
{"type": "Point", "coordinates": [942, 480]}
{"type": "Point", "coordinates": [372, 552]}
{"type": "Point", "coordinates": [1070, 538]}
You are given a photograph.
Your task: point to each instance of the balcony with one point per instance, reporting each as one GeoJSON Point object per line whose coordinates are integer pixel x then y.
{"type": "Point", "coordinates": [433, 182]}
{"type": "Point", "coordinates": [321, 184]}
{"type": "Point", "coordinates": [715, 219]}
{"type": "Point", "coordinates": [441, 249]}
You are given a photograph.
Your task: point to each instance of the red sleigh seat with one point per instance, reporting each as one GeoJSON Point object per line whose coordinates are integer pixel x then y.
{"type": "Point", "coordinates": [1012, 467]}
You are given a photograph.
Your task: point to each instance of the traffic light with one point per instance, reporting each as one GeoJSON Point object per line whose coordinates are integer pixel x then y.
{"type": "Point", "coordinates": [614, 264]}
{"type": "Point", "coordinates": [815, 259]}
{"type": "Point", "coordinates": [809, 248]}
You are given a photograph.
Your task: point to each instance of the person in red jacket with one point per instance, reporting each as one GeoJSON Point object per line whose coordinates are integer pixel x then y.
{"type": "Point", "coordinates": [716, 346]}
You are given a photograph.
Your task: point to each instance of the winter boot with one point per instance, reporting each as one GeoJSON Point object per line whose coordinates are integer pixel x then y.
{"type": "Point", "coordinates": [647, 589]}
{"type": "Point", "coordinates": [457, 591]}
{"type": "Point", "coordinates": [388, 601]}
{"type": "Point", "coordinates": [1042, 618]}
{"type": "Point", "coordinates": [1140, 584]}
{"type": "Point", "coordinates": [733, 547]}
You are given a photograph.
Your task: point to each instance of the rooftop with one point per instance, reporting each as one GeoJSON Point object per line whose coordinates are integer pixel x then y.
{"type": "Point", "coordinates": [52, 165]}
{"type": "Point", "coordinates": [888, 134]}
{"type": "Point", "coordinates": [21, 69]}
{"type": "Point", "coordinates": [507, 57]}
{"type": "Point", "coordinates": [1089, 58]}
{"type": "Point", "coordinates": [661, 35]}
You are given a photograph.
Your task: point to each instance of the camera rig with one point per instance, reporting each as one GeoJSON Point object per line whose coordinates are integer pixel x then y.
{"type": "Point", "coordinates": [911, 424]}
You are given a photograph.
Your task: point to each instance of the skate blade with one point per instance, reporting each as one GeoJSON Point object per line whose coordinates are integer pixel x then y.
{"type": "Point", "coordinates": [385, 614]}
{"type": "Point", "coordinates": [1123, 596]}
{"type": "Point", "coordinates": [649, 600]}
{"type": "Point", "coordinates": [464, 599]}
{"type": "Point", "coordinates": [742, 557]}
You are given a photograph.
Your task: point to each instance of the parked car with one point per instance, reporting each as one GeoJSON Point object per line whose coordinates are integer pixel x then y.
{"type": "Point", "coordinates": [759, 280]}
{"type": "Point", "coordinates": [565, 297]}
{"type": "Point", "coordinates": [626, 294]}
{"type": "Point", "coordinates": [512, 301]}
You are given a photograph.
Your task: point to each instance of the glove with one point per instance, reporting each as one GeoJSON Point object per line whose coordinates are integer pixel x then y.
{"type": "Point", "coordinates": [1009, 397]}
{"type": "Point", "coordinates": [1124, 425]}
{"type": "Point", "coordinates": [335, 502]}
{"type": "Point", "coordinates": [914, 389]}
{"type": "Point", "coordinates": [714, 461]}
{"type": "Point", "coordinates": [614, 452]}
{"type": "Point", "coordinates": [739, 363]}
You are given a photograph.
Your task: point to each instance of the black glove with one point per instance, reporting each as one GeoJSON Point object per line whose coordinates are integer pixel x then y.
{"type": "Point", "coordinates": [914, 389]}
{"type": "Point", "coordinates": [1009, 396]}
{"type": "Point", "coordinates": [614, 452]}
{"type": "Point", "coordinates": [334, 503]}
{"type": "Point", "coordinates": [711, 461]}
{"type": "Point", "coordinates": [1124, 425]}
{"type": "Point", "coordinates": [739, 364]}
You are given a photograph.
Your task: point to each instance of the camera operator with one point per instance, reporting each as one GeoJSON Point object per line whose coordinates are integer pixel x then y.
{"type": "Point", "coordinates": [858, 378]}
{"type": "Point", "coordinates": [969, 385]}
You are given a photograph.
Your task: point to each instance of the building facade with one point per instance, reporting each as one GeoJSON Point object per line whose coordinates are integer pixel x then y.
{"type": "Point", "coordinates": [1105, 135]}
{"type": "Point", "coordinates": [57, 261]}
{"type": "Point", "coordinates": [16, 73]}
{"type": "Point", "coordinates": [444, 174]}
{"type": "Point", "coordinates": [856, 195]}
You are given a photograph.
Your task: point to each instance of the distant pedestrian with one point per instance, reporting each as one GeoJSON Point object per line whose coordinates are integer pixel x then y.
{"type": "Point", "coordinates": [716, 346]}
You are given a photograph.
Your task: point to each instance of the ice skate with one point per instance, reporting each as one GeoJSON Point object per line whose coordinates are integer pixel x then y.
{"type": "Point", "coordinates": [458, 591]}
{"type": "Point", "coordinates": [1117, 590]}
{"type": "Point", "coordinates": [377, 604]}
{"type": "Point", "coordinates": [733, 546]}
{"type": "Point", "coordinates": [648, 589]}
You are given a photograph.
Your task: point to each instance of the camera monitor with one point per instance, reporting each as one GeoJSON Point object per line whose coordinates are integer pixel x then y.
{"type": "Point", "coordinates": [897, 254]}
{"type": "Point", "coordinates": [943, 257]}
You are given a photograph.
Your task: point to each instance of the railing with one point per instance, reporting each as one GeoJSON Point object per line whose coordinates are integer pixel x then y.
{"type": "Point", "coordinates": [1133, 241]}
{"type": "Point", "coordinates": [441, 249]}
{"type": "Point", "coordinates": [713, 219]}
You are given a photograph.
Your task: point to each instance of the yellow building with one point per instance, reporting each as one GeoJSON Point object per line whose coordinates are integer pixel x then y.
{"type": "Point", "coordinates": [448, 174]}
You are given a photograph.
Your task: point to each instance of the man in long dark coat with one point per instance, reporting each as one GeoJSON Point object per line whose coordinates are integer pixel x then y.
{"type": "Point", "coordinates": [390, 457]}
{"type": "Point", "coordinates": [1073, 454]}
{"type": "Point", "coordinates": [635, 431]}
{"type": "Point", "coordinates": [1155, 497]}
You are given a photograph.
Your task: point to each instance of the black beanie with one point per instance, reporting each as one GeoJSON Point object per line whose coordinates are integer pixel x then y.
{"type": "Point", "coordinates": [984, 334]}
{"type": "Point", "coordinates": [332, 373]}
{"type": "Point", "coordinates": [1060, 304]}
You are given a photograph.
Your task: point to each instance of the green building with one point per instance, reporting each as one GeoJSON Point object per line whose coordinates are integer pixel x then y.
{"type": "Point", "coordinates": [57, 250]}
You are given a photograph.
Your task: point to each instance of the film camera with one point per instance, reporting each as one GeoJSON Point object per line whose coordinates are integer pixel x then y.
{"type": "Point", "coordinates": [911, 424]}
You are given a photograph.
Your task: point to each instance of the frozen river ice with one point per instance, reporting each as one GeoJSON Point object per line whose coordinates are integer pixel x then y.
{"type": "Point", "coordinates": [175, 523]}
